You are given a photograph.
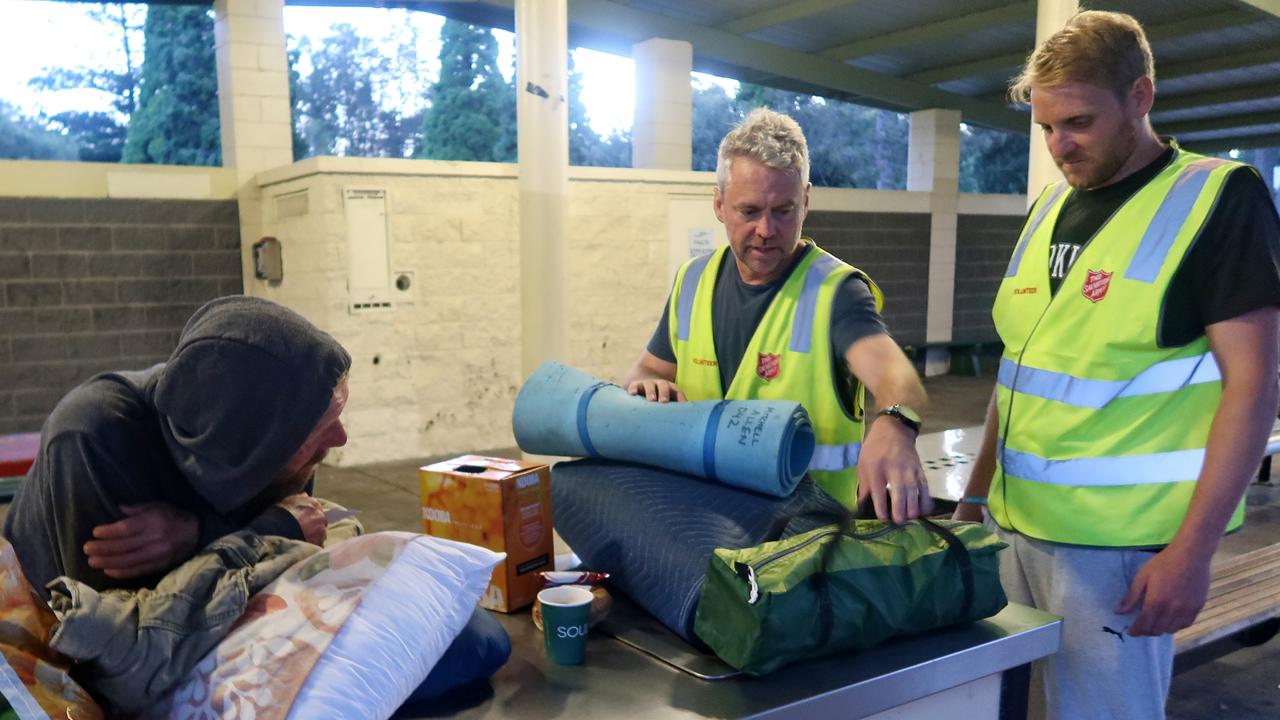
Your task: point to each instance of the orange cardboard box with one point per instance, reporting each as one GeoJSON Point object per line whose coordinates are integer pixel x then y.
{"type": "Point", "coordinates": [501, 504]}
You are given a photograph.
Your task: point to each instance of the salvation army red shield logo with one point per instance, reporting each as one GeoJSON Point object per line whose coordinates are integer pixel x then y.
{"type": "Point", "coordinates": [767, 366]}
{"type": "Point", "coordinates": [1096, 284]}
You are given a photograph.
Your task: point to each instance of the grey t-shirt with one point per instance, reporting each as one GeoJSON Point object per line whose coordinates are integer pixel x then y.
{"type": "Point", "coordinates": [737, 308]}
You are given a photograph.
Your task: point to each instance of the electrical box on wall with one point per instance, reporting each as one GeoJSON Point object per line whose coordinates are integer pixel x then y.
{"type": "Point", "coordinates": [267, 261]}
{"type": "Point", "coordinates": [368, 249]}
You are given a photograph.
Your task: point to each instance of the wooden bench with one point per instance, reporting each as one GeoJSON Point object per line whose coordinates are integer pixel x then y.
{"type": "Point", "coordinates": [17, 453]}
{"type": "Point", "coordinates": [1243, 608]}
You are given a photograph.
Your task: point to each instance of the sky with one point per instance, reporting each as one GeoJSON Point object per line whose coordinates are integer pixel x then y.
{"type": "Point", "coordinates": [35, 34]}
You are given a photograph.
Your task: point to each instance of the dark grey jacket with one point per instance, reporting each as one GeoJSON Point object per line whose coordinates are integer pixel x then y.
{"type": "Point", "coordinates": [208, 431]}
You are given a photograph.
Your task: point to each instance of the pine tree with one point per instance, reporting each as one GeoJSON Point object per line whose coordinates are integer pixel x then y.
{"type": "Point", "coordinates": [468, 110]}
{"type": "Point", "coordinates": [993, 161]}
{"type": "Point", "coordinates": [350, 103]}
{"type": "Point", "coordinates": [177, 119]}
{"type": "Point", "coordinates": [301, 148]}
{"type": "Point", "coordinates": [101, 135]}
{"type": "Point", "coordinates": [714, 114]}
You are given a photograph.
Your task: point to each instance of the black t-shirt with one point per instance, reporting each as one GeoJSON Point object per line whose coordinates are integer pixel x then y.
{"type": "Point", "coordinates": [737, 308]}
{"type": "Point", "coordinates": [1232, 267]}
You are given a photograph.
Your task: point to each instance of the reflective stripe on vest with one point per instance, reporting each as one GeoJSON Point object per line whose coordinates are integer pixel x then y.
{"type": "Point", "coordinates": [835, 457]}
{"type": "Point", "coordinates": [1162, 377]}
{"type": "Point", "coordinates": [1153, 468]}
{"type": "Point", "coordinates": [689, 287]}
{"type": "Point", "coordinates": [1169, 219]}
{"type": "Point", "coordinates": [802, 319]}
{"type": "Point", "coordinates": [1031, 228]}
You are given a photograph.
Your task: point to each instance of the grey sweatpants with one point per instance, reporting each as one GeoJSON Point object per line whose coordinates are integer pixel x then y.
{"type": "Point", "coordinates": [1100, 671]}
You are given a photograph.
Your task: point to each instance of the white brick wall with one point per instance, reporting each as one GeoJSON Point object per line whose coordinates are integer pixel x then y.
{"type": "Point", "coordinates": [448, 363]}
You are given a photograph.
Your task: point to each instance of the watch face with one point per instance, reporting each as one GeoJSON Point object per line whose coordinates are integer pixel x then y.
{"type": "Point", "coordinates": [907, 413]}
{"type": "Point", "coordinates": [903, 414]}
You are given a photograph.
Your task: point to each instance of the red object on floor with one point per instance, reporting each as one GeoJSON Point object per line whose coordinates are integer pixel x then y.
{"type": "Point", "coordinates": [17, 453]}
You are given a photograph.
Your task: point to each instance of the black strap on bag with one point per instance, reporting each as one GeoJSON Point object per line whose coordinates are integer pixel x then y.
{"type": "Point", "coordinates": [960, 555]}
{"type": "Point", "coordinates": [845, 521]}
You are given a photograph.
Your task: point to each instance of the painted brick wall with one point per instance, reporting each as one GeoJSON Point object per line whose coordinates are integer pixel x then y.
{"type": "Point", "coordinates": [440, 374]}
{"type": "Point", "coordinates": [101, 284]}
{"type": "Point", "coordinates": [892, 248]}
{"type": "Point", "coordinates": [983, 246]}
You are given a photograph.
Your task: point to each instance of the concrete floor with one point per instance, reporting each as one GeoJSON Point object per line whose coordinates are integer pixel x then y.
{"type": "Point", "coordinates": [1243, 684]}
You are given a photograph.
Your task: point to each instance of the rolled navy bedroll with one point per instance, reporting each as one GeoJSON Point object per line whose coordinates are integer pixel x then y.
{"type": "Point", "coordinates": [655, 531]}
{"type": "Point", "coordinates": [759, 445]}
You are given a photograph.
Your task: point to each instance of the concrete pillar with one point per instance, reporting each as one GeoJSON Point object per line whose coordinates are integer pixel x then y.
{"type": "Point", "coordinates": [253, 107]}
{"type": "Point", "coordinates": [1051, 15]}
{"type": "Point", "coordinates": [933, 166]}
{"type": "Point", "coordinates": [542, 83]}
{"type": "Point", "coordinates": [253, 85]}
{"type": "Point", "coordinates": [662, 132]}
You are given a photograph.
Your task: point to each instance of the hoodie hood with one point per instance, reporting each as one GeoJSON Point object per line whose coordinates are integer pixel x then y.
{"type": "Point", "coordinates": [247, 383]}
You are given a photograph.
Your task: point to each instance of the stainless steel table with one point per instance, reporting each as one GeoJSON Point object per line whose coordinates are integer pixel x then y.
{"type": "Point", "coordinates": [949, 673]}
{"type": "Point", "coordinates": [948, 459]}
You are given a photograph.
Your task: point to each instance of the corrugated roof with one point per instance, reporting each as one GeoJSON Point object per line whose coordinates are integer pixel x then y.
{"type": "Point", "coordinates": [1217, 61]}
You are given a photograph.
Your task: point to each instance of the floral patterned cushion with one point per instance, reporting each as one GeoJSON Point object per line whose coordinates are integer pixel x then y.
{"type": "Point", "coordinates": [34, 680]}
{"type": "Point", "coordinates": [349, 632]}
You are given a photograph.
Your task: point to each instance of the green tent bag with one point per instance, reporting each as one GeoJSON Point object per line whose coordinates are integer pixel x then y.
{"type": "Point", "coordinates": [845, 586]}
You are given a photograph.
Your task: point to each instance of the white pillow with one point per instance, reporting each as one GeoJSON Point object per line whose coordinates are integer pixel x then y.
{"type": "Point", "coordinates": [349, 632]}
{"type": "Point", "coordinates": [389, 646]}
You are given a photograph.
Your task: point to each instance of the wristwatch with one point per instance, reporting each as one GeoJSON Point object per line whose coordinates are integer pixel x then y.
{"type": "Point", "coordinates": [904, 415]}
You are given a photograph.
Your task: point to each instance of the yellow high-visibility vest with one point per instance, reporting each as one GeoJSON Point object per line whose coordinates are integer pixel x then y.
{"type": "Point", "coordinates": [788, 358]}
{"type": "Point", "coordinates": [1102, 432]}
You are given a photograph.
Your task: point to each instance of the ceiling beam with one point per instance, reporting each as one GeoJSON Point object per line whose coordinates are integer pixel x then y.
{"type": "Point", "coordinates": [1211, 124]}
{"type": "Point", "coordinates": [1239, 142]}
{"type": "Point", "coordinates": [781, 15]}
{"type": "Point", "coordinates": [1264, 55]}
{"type": "Point", "coordinates": [958, 71]}
{"type": "Point", "coordinates": [1241, 93]}
{"type": "Point", "coordinates": [951, 27]}
{"type": "Point", "coordinates": [1270, 7]}
{"type": "Point", "coordinates": [719, 46]}
{"type": "Point", "coordinates": [1165, 31]}
{"type": "Point", "coordinates": [1209, 22]}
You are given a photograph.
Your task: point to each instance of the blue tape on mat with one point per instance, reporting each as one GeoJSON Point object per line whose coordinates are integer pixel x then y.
{"type": "Point", "coordinates": [583, 401]}
{"type": "Point", "coordinates": [709, 440]}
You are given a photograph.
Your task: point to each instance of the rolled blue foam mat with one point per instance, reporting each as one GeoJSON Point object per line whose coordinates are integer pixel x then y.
{"type": "Point", "coordinates": [759, 445]}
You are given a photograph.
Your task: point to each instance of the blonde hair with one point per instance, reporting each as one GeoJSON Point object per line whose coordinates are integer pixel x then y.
{"type": "Point", "coordinates": [768, 137]}
{"type": "Point", "coordinates": [1103, 48]}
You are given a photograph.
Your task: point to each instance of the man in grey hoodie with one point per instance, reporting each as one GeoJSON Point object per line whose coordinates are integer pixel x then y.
{"type": "Point", "coordinates": [137, 470]}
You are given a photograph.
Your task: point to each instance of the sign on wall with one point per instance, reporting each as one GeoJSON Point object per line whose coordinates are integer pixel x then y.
{"type": "Point", "coordinates": [692, 229]}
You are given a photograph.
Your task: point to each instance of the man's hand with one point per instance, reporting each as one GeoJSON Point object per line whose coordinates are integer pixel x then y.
{"type": "Point", "coordinates": [889, 471]}
{"type": "Point", "coordinates": [310, 516]}
{"type": "Point", "coordinates": [654, 378]}
{"type": "Point", "coordinates": [153, 537]}
{"type": "Point", "coordinates": [1170, 589]}
{"type": "Point", "coordinates": [656, 389]}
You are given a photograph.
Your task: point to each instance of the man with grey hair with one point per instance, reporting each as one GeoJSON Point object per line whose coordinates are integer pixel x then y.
{"type": "Point", "coordinates": [787, 320]}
